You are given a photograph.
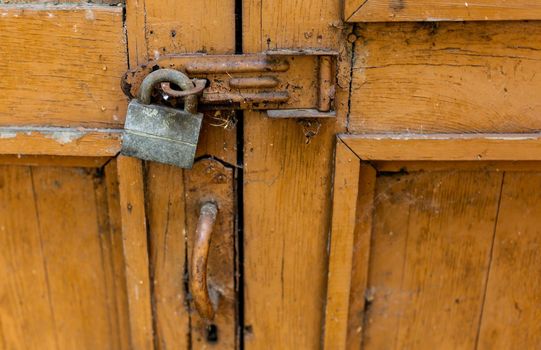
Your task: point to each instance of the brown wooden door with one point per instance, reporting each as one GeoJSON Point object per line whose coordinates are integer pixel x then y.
{"type": "Point", "coordinates": [434, 215]}
{"type": "Point", "coordinates": [96, 248]}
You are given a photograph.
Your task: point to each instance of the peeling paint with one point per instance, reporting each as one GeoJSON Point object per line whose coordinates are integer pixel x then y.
{"type": "Point", "coordinates": [8, 135]}
{"type": "Point", "coordinates": [65, 137]}
{"type": "Point", "coordinates": [89, 14]}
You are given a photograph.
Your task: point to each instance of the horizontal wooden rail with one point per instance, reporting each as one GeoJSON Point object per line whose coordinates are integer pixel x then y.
{"type": "Point", "coordinates": [60, 141]}
{"type": "Point", "coordinates": [445, 147]}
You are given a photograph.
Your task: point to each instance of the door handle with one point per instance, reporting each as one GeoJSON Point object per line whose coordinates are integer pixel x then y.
{"type": "Point", "coordinates": [199, 261]}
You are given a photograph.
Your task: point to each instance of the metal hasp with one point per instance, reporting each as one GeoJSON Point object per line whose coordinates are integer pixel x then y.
{"type": "Point", "coordinates": [159, 133]}
{"type": "Point", "coordinates": [286, 83]}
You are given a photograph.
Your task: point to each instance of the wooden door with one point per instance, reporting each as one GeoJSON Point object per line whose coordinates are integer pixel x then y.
{"type": "Point", "coordinates": [125, 227]}
{"type": "Point", "coordinates": [434, 216]}
{"type": "Point", "coordinates": [95, 248]}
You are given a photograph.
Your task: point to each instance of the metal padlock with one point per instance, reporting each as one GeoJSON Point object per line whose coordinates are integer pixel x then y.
{"type": "Point", "coordinates": [158, 133]}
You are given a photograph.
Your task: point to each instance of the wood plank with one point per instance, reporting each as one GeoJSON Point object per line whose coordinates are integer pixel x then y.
{"type": "Point", "coordinates": [446, 147]}
{"type": "Point", "coordinates": [60, 141]}
{"type": "Point", "coordinates": [167, 225]}
{"type": "Point", "coordinates": [65, 62]}
{"type": "Point", "coordinates": [285, 259]}
{"type": "Point", "coordinates": [441, 10]}
{"type": "Point", "coordinates": [342, 237]}
{"type": "Point", "coordinates": [446, 78]}
{"type": "Point", "coordinates": [73, 257]}
{"type": "Point", "coordinates": [361, 254]}
{"type": "Point", "coordinates": [431, 244]}
{"type": "Point", "coordinates": [26, 316]}
{"type": "Point", "coordinates": [117, 251]}
{"type": "Point", "coordinates": [134, 238]}
{"type": "Point", "coordinates": [57, 287]}
{"type": "Point", "coordinates": [60, 161]}
{"type": "Point", "coordinates": [156, 28]}
{"type": "Point", "coordinates": [409, 166]}
{"type": "Point", "coordinates": [511, 312]}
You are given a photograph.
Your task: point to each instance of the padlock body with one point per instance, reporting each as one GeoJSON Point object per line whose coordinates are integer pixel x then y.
{"type": "Point", "coordinates": [161, 134]}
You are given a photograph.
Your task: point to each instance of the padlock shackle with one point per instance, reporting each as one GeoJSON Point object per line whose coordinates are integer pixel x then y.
{"type": "Point", "coordinates": [162, 75]}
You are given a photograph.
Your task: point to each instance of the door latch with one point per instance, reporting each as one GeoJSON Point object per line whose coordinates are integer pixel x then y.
{"type": "Point", "coordinates": [285, 83]}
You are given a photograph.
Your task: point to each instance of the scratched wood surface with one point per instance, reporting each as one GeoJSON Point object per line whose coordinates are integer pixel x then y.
{"type": "Point", "coordinates": [61, 65]}
{"type": "Point", "coordinates": [58, 289]}
{"type": "Point", "coordinates": [452, 258]}
{"type": "Point", "coordinates": [440, 10]}
{"type": "Point", "coordinates": [429, 260]}
{"type": "Point", "coordinates": [135, 248]}
{"type": "Point", "coordinates": [287, 186]}
{"type": "Point", "coordinates": [446, 77]}
{"type": "Point", "coordinates": [511, 311]}
{"type": "Point", "coordinates": [342, 238]}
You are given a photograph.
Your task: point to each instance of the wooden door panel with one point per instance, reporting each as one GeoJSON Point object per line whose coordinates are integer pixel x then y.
{"type": "Point", "coordinates": [428, 259]}
{"type": "Point", "coordinates": [433, 255]}
{"type": "Point", "coordinates": [511, 311]}
{"type": "Point", "coordinates": [63, 269]}
{"type": "Point", "coordinates": [440, 10]}
{"type": "Point", "coordinates": [446, 77]}
{"type": "Point", "coordinates": [61, 65]}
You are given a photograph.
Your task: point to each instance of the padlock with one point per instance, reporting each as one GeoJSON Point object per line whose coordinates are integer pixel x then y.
{"type": "Point", "coordinates": [159, 133]}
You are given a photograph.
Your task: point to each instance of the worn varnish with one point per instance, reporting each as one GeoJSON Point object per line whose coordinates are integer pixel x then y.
{"type": "Point", "coordinates": [430, 246]}
{"type": "Point", "coordinates": [135, 248]}
{"type": "Point", "coordinates": [446, 77]}
{"type": "Point", "coordinates": [428, 261]}
{"type": "Point", "coordinates": [167, 254]}
{"type": "Point", "coordinates": [61, 287]}
{"type": "Point", "coordinates": [61, 65]}
{"type": "Point", "coordinates": [511, 314]}
{"type": "Point", "coordinates": [440, 10]}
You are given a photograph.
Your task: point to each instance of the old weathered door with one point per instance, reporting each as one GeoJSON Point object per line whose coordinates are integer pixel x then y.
{"type": "Point", "coordinates": [434, 238]}
{"type": "Point", "coordinates": [95, 248]}
{"type": "Point", "coordinates": [408, 249]}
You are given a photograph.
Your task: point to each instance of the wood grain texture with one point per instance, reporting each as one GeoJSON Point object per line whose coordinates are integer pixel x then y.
{"type": "Point", "coordinates": [446, 147]}
{"type": "Point", "coordinates": [65, 62]}
{"type": "Point", "coordinates": [431, 243]}
{"type": "Point", "coordinates": [287, 181]}
{"type": "Point", "coordinates": [440, 10]}
{"type": "Point", "coordinates": [361, 255]}
{"type": "Point", "coordinates": [342, 237]}
{"type": "Point", "coordinates": [117, 250]}
{"type": "Point", "coordinates": [60, 141]}
{"type": "Point", "coordinates": [57, 290]}
{"type": "Point", "coordinates": [511, 311]}
{"type": "Point", "coordinates": [446, 77]}
{"type": "Point", "coordinates": [134, 239]}
{"type": "Point", "coordinates": [167, 222]}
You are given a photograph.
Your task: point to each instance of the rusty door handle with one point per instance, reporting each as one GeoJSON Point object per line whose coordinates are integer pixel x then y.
{"type": "Point", "coordinates": [198, 267]}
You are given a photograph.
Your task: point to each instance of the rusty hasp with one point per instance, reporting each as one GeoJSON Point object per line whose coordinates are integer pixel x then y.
{"type": "Point", "coordinates": [287, 83]}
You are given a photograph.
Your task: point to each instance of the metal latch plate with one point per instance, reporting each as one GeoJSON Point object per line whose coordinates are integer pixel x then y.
{"type": "Point", "coordinates": [299, 82]}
